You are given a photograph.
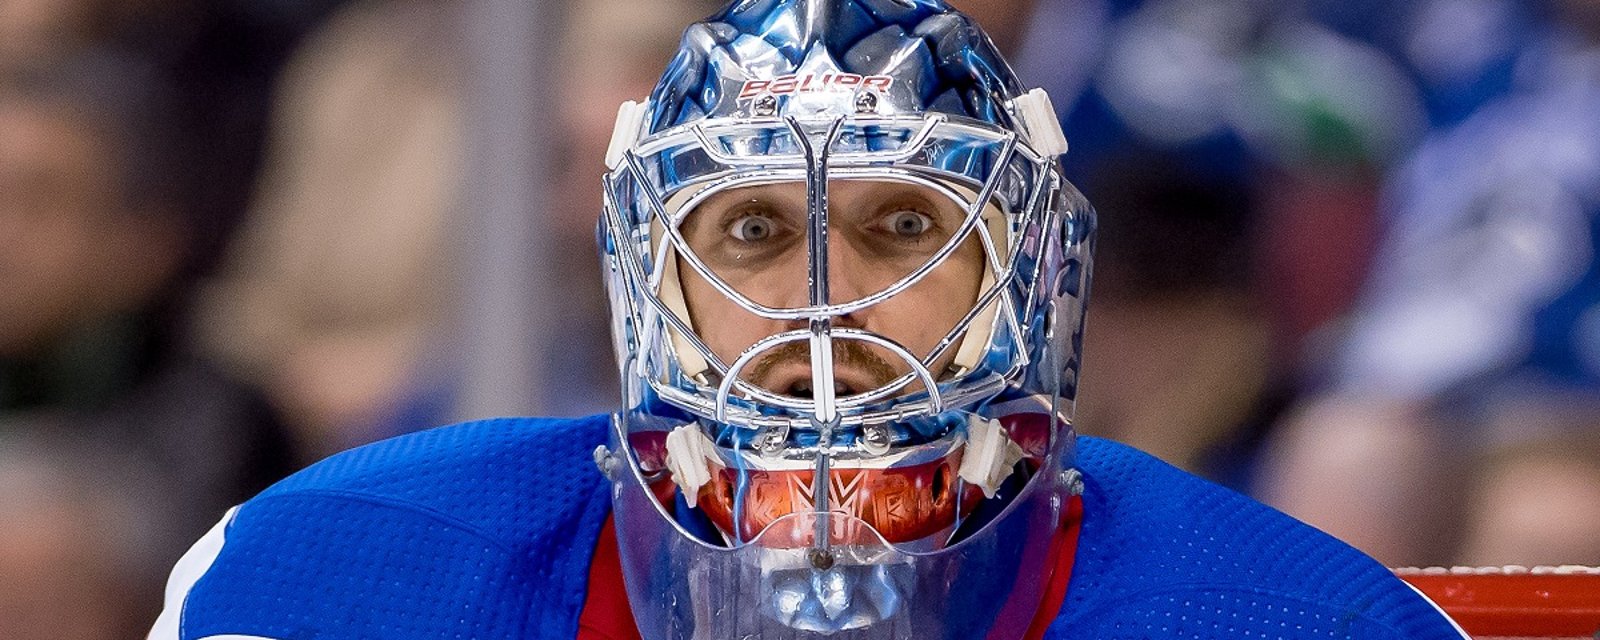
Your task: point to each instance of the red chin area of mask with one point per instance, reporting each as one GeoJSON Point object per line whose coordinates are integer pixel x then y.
{"type": "Point", "coordinates": [902, 504]}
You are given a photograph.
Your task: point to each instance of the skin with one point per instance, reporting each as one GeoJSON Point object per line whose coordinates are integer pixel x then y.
{"type": "Point", "coordinates": [70, 248]}
{"type": "Point", "coordinates": [64, 574]}
{"type": "Point", "coordinates": [754, 238]}
{"type": "Point", "coordinates": [1536, 507]}
{"type": "Point", "coordinates": [33, 29]}
{"type": "Point", "coordinates": [1392, 478]}
{"type": "Point", "coordinates": [1376, 473]}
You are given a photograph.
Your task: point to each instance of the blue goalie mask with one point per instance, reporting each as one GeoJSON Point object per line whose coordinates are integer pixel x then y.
{"type": "Point", "coordinates": [847, 287]}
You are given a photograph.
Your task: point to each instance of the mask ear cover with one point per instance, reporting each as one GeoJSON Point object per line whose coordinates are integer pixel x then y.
{"type": "Point", "coordinates": [980, 333]}
{"type": "Point", "coordinates": [625, 134]}
{"type": "Point", "coordinates": [1040, 127]}
{"type": "Point", "coordinates": [691, 362]}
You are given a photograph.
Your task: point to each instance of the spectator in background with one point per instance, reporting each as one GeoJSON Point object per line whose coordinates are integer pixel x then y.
{"type": "Point", "coordinates": [1179, 344]}
{"type": "Point", "coordinates": [1460, 420]}
{"type": "Point", "coordinates": [1238, 145]}
{"type": "Point", "coordinates": [335, 299]}
{"type": "Point", "coordinates": [1459, 53]}
{"type": "Point", "coordinates": [127, 132]}
{"type": "Point", "coordinates": [217, 56]}
{"type": "Point", "coordinates": [37, 30]}
{"type": "Point", "coordinates": [79, 549]}
{"type": "Point", "coordinates": [95, 231]}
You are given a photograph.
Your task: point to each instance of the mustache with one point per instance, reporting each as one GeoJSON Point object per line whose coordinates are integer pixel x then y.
{"type": "Point", "coordinates": [846, 353]}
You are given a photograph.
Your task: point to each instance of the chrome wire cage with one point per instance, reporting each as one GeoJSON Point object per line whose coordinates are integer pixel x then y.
{"type": "Point", "coordinates": [945, 153]}
{"type": "Point", "coordinates": [769, 514]}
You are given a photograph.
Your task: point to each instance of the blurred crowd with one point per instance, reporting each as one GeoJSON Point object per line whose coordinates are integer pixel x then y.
{"type": "Point", "coordinates": [1348, 258]}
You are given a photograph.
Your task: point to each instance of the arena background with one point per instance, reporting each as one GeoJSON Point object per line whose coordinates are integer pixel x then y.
{"type": "Point", "coordinates": [1347, 261]}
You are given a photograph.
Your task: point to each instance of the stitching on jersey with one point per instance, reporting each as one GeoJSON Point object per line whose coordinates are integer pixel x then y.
{"type": "Point", "coordinates": [392, 503]}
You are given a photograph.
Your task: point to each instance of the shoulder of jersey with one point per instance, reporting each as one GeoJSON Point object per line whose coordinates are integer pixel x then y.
{"type": "Point", "coordinates": [479, 473]}
{"type": "Point", "coordinates": [1166, 554]}
{"type": "Point", "coordinates": [399, 538]}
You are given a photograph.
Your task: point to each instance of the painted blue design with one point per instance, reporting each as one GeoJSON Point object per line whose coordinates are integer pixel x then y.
{"type": "Point", "coordinates": [940, 60]}
{"type": "Point", "coordinates": [927, 99]}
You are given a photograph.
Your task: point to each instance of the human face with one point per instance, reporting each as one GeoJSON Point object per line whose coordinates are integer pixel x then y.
{"type": "Point", "coordinates": [71, 247]}
{"type": "Point", "coordinates": [755, 239]}
{"type": "Point", "coordinates": [56, 188]}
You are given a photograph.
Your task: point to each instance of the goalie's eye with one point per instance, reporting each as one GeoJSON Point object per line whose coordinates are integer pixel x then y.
{"type": "Point", "coordinates": [909, 224]}
{"type": "Point", "coordinates": [752, 228]}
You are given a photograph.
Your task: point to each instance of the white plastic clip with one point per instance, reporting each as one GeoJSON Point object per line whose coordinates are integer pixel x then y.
{"type": "Point", "coordinates": [688, 453]}
{"type": "Point", "coordinates": [990, 455]}
{"type": "Point", "coordinates": [1039, 124]}
{"type": "Point", "coordinates": [630, 124]}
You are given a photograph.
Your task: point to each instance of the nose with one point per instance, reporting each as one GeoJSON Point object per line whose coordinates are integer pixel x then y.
{"type": "Point", "coordinates": [847, 282]}
{"type": "Point", "coordinates": [849, 279]}
{"type": "Point", "coordinates": [849, 270]}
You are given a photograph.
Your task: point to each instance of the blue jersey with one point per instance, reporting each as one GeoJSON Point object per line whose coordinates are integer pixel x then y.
{"type": "Point", "coordinates": [486, 531]}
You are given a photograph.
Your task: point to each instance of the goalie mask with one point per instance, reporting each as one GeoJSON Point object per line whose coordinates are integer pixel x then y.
{"type": "Point", "coordinates": [847, 286]}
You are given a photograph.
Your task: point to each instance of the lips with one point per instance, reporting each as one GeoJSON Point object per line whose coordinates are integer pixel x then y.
{"type": "Point", "coordinates": [802, 389]}
{"type": "Point", "coordinates": [795, 379]}
{"type": "Point", "coordinates": [787, 370]}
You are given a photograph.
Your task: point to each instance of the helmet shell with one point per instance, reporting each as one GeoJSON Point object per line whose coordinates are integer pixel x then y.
{"type": "Point", "coordinates": [805, 57]}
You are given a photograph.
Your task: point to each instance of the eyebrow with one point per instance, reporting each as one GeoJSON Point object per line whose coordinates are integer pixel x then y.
{"type": "Point", "coordinates": [789, 197]}
{"type": "Point", "coordinates": [761, 194]}
{"type": "Point", "coordinates": [903, 195]}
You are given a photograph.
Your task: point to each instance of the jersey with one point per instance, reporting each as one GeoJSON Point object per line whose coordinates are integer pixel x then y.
{"type": "Point", "coordinates": [487, 531]}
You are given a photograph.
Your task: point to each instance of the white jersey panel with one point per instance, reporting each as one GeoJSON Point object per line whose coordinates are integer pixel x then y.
{"type": "Point", "coordinates": [194, 564]}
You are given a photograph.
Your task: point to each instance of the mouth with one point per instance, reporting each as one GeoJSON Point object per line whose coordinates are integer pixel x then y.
{"type": "Point", "coordinates": [856, 370]}
{"type": "Point", "coordinates": [794, 379]}
{"type": "Point", "coordinates": [841, 389]}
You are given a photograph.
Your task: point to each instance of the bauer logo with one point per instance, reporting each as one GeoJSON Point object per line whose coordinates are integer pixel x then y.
{"type": "Point", "coordinates": [815, 83]}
